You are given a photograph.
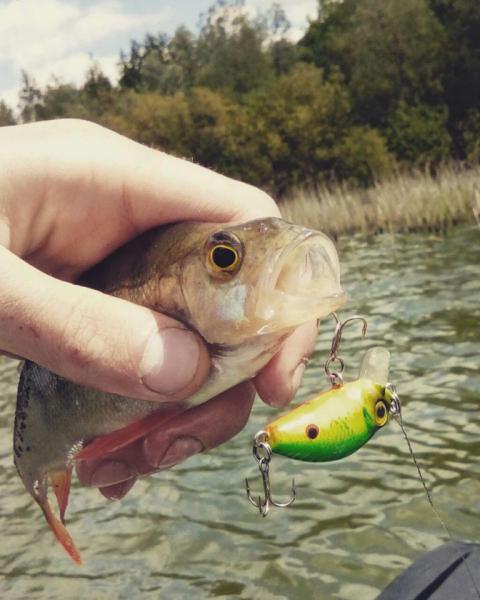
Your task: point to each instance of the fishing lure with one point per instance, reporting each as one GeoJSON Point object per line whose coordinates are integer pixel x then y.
{"type": "Point", "coordinates": [333, 424]}
{"type": "Point", "coordinates": [337, 423]}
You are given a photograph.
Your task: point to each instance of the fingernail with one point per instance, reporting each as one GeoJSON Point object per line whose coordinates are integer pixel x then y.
{"type": "Point", "coordinates": [170, 360]}
{"type": "Point", "coordinates": [111, 472]}
{"type": "Point", "coordinates": [181, 449]}
{"type": "Point", "coordinates": [119, 490]}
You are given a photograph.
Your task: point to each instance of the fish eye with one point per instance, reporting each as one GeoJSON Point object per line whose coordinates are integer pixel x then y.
{"type": "Point", "coordinates": [223, 257]}
{"type": "Point", "coordinates": [311, 431]}
{"type": "Point", "coordinates": [381, 413]}
{"type": "Point", "coordinates": [224, 253]}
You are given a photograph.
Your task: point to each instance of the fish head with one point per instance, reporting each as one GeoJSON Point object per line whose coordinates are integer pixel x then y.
{"type": "Point", "coordinates": [264, 276]}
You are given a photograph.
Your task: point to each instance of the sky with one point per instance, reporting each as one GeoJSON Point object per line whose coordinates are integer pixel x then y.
{"type": "Point", "coordinates": [62, 37]}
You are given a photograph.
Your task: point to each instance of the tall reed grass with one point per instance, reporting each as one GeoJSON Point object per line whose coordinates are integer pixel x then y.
{"type": "Point", "coordinates": [409, 202]}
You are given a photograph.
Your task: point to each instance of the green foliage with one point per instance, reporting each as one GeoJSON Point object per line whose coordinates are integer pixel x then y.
{"type": "Point", "coordinates": [460, 20]}
{"type": "Point", "coordinates": [212, 138]}
{"type": "Point", "coordinates": [30, 98]}
{"type": "Point", "coordinates": [372, 84]}
{"type": "Point", "coordinates": [363, 157]}
{"type": "Point", "coordinates": [418, 134]}
{"type": "Point", "coordinates": [230, 51]}
{"type": "Point", "coordinates": [471, 136]}
{"type": "Point", "coordinates": [60, 100]}
{"type": "Point", "coordinates": [325, 42]}
{"type": "Point", "coordinates": [155, 120]}
{"type": "Point", "coordinates": [160, 64]}
{"type": "Point", "coordinates": [6, 115]}
{"type": "Point", "coordinates": [389, 51]}
{"type": "Point", "coordinates": [300, 117]}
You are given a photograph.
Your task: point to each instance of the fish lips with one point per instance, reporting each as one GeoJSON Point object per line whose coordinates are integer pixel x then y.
{"type": "Point", "coordinates": [301, 283]}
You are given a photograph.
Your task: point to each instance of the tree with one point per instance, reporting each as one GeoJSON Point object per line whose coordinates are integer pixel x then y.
{"type": "Point", "coordinates": [60, 100]}
{"type": "Point", "coordinates": [230, 48]}
{"type": "Point", "coordinates": [6, 115]}
{"type": "Point", "coordinates": [211, 138]}
{"type": "Point", "coordinates": [461, 64]}
{"type": "Point", "coordinates": [418, 134]}
{"type": "Point", "coordinates": [388, 51]}
{"type": "Point", "coordinates": [162, 122]}
{"type": "Point", "coordinates": [30, 98]}
{"type": "Point", "coordinates": [362, 156]}
{"type": "Point", "coordinates": [290, 116]}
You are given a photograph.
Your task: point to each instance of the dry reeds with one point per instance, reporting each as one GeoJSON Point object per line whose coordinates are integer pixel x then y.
{"type": "Point", "coordinates": [405, 203]}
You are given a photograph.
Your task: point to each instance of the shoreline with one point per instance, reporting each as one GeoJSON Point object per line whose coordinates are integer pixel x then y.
{"type": "Point", "coordinates": [411, 202]}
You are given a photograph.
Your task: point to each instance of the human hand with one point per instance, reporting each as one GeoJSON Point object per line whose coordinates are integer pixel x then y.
{"type": "Point", "coordinates": [72, 192]}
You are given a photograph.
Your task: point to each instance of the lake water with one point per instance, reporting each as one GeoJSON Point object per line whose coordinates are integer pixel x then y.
{"type": "Point", "coordinates": [357, 523]}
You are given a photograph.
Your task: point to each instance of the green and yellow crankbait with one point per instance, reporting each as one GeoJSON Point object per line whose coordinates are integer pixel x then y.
{"type": "Point", "coordinates": [333, 424]}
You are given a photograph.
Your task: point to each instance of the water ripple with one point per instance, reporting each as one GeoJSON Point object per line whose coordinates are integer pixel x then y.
{"type": "Point", "coordinates": [356, 524]}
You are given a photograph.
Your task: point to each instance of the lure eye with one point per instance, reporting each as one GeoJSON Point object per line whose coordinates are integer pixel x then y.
{"type": "Point", "coordinates": [223, 257]}
{"type": "Point", "coordinates": [381, 413]}
{"type": "Point", "coordinates": [311, 431]}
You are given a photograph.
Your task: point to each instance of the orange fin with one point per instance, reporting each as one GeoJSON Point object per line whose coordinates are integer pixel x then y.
{"type": "Point", "coordinates": [60, 531]}
{"type": "Point", "coordinates": [111, 442]}
{"type": "Point", "coordinates": [61, 486]}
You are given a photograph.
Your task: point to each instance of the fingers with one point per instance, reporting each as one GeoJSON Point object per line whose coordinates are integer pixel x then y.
{"type": "Point", "coordinates": [278, 382]}
{"type": "Point", "coordinates": [94, 339]}
{"type": "Point", "coordinates": [89, 189]}
{"type": "Point", "coordinates": [200, 428]}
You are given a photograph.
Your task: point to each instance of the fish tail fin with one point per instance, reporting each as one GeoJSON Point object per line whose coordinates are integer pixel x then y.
{"type": "Point", "coordinates": [60, 531]}
{"type": "Point", "coordinates": [61, 481]}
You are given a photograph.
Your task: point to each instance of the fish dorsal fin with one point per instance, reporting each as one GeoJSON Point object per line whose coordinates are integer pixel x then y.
{"type": "Point", "coordinates": [111, 442]}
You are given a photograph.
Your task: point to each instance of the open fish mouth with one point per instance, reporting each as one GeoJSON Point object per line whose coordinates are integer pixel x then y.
{"type": "Point", "coordinates": [300, 283]}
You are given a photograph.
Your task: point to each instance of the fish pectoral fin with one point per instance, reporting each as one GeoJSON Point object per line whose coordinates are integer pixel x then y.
{"type": "Point", "coordinates": [111, 442]}
{"type": "Point", "coordinates": [60, 531]}
{"type": "Point", "coordinates": [61, 481]}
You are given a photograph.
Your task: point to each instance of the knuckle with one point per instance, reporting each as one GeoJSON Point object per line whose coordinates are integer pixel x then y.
{"type": "Point", "coordinates": [82, 341]}
{"type": "Point", "coordinates": [81, 126]}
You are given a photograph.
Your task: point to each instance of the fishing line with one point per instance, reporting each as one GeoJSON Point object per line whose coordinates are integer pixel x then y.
{"type": "Point", "coordinates": [399, 420]}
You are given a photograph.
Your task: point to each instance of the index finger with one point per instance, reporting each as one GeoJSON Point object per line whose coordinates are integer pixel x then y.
{"type": "Point", "coordinates": [90, 179]}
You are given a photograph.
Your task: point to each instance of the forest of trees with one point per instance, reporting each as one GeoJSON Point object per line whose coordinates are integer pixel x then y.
{"type": "Point", "coordinates": [373, 86]}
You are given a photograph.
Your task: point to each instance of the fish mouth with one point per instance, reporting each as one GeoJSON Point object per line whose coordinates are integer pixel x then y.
{"type": "Point", "coordinates": [300, 284]}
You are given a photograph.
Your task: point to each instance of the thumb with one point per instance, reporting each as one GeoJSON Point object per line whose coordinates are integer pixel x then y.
{"type": "Point", "coordinates": [94, 339]}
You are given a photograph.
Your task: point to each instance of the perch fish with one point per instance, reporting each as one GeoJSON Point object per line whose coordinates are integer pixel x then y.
{"type": "Point", "coordinates": [259, 281]}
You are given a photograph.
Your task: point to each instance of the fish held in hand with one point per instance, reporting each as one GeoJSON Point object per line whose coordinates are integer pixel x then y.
{"type": "Point", "coordinates": [259, 281]}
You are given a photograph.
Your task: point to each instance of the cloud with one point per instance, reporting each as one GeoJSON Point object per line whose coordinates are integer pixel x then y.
{"type": "Point", "coordinates": [60, 38]}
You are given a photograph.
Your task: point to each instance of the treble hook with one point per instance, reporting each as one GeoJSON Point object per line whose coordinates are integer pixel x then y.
{"type": "Point", "coordinates": [336, 378]}
{"type": "Point", "coordinates": [263, 455]}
